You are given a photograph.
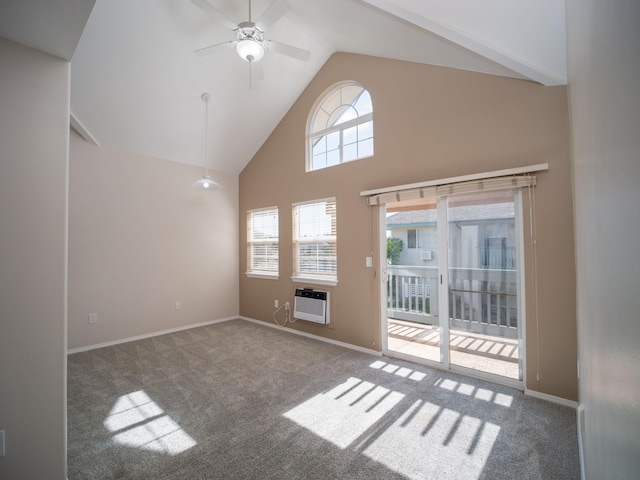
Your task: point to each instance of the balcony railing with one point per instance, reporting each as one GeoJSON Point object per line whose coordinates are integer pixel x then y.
{"type": "Point", "coordinates": [412, 293]}
{"type": "Point", "coordinates": [481, 300]}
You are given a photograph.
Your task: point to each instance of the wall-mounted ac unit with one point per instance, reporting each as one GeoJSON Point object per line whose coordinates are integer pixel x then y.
{"type": "Point", "coordinates": [425, 255]}
{"type": "Point", "coordinates": [311, 305]}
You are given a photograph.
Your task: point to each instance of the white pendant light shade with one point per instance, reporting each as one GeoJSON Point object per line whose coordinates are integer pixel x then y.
{"type": "Point", "coordinates": [250, 50]}
{"type": "Point", "coordinates": [205, 183]}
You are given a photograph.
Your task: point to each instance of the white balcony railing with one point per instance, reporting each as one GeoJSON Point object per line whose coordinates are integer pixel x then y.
{"type": "Point", "coordinates": [480, 300]}
{"type": "Point", "coordinates": [412, 293]}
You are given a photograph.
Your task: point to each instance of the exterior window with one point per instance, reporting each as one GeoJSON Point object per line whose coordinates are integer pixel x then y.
{"type": "Point", "coordinates": [340, 129]}
{"type": "Point", "coordinates": [498, 250]}
{"type": "Point", "coordinates": [314, 241]}
{"type": "Point", "coordinates": [412, 235]}
{"type": "Point", "coordinates": [422, 238]}
{"type": "Point", "coordinates": [262, 242]}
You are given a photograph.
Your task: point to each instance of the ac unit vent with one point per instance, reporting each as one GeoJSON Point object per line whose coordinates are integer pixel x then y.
{"type": "Point", "coordinates": [425, 255]}
{"type": "Point", "coordinates": [311, 305]}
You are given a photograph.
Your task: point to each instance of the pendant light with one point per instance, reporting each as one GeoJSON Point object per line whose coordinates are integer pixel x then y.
{"type": "Point", "coordinates": [205, 183]}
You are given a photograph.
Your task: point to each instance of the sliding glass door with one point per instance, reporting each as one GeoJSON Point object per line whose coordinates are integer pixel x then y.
{"type": "Point", "coordinates": [483, 286]}
{"type": "Point", "coordinates": [465, 249]}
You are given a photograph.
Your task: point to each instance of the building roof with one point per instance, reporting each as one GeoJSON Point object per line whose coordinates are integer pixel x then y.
{"type": "Point", "coordinates": [469, 213]}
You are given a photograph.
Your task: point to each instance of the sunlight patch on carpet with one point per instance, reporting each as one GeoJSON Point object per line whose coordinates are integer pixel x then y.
{"type": "Point", "coordinates": [138, 422]}
{"type": "Point", "coordinates": [398, 370]}
{"type": "Point", "coordinates": [345, 412]}
{"type": "Point", "coordinates": [475, 392]}
{"type": "Point", "coordinates": [427, 442]}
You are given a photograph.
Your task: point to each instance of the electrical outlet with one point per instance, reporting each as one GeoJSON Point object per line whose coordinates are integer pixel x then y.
{"type": "Point", "coordinates": [287, 307]}
{"type": "Point", "coordinates": [178, 305]}
{"type": "Point", "coordinates": [93, 318]}
{"type": "Point", "coordinates": [276, 304]}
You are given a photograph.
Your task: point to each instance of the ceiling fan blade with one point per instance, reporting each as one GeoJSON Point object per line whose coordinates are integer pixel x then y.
{"type": "Point", "coordinates": [217, 48]}
{"type": "Point", "coordinates": [288, 50]}
{"type": "Point", "coordinates": [214, 12]}
{"type": "Point", "coordinates": [272, 14]}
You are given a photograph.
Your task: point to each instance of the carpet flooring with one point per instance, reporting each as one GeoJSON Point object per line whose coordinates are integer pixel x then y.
{"type": "Point", "coordinates": [238, 400]}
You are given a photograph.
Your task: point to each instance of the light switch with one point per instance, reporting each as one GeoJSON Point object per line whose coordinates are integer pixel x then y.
{"type": "Point", "coordinates": [369, 262]}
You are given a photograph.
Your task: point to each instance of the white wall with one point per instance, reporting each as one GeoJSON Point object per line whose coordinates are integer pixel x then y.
{"type": "Point", "coordinates": [141, 239]}
{"type": "Point", "coordinates": [34, 119]}
{"type": "Point", "coordinates": [604, 68]}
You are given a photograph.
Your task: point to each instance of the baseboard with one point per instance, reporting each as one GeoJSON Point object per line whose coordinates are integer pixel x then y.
{"type": "Point", "coordinates": [147, 335]}
{"type": "Point", "coordinates": [315, 337]}
{"type": "Point", "coordinates": [211, 322]}
{"type": "Point", "coordinates": [551, 398]}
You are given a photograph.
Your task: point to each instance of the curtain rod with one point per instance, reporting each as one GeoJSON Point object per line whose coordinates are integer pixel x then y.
{"type": "Point", "coordinates": [464, 178]}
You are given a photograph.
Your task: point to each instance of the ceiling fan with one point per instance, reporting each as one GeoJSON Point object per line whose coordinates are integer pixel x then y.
{"type": "Point", "coordinates": [250, 41]}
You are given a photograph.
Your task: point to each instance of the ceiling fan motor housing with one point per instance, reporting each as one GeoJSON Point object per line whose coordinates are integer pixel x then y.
{"type": "Point", "coordinates": [249, 31]}
{"type": "Point", "coordinates": [250, 44]}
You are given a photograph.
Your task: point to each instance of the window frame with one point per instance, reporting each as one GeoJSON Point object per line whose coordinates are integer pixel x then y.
{"type": "Point", "coordinates": [313, 136]}
{"type": "Point", "coordinates": [251, 242]}
{"type": "Point", "coordinates": [420, 239]}
{"type": "Point", "coordinates": [315, 277]}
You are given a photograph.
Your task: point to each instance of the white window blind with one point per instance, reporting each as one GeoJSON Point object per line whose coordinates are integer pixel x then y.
{"type": "Point", "coordinates": [511, 178]}
{"type": "Point", "coordinates": [262, 241]}
{"type": "Point", "coordinates": [314, 240]}
{"type": "Point", "coordinates": [453, 188]}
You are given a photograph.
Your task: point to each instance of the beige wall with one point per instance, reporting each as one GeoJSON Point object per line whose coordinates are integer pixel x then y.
{"type": "Point", "coordinates": [604, 67]}
{"type": "Point", "coordinates": [430, 123]}
{"type": "Point", "coordinates": [34, 122]}
{"type": "Point", "coordinates": [140, 239]}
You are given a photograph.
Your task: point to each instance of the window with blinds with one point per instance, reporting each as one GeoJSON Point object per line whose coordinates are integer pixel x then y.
{"type": "Point", "coordinates": [262, 242]}
{"type": "Point", "coordinates": [314, 241]}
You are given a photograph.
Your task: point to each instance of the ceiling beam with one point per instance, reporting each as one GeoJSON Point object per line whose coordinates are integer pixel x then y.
{"type": "Point", "coordinates": [81, 130]}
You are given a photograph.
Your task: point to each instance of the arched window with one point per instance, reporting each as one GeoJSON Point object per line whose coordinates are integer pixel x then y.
{"type": "Point", "coordinates": [340, 127]}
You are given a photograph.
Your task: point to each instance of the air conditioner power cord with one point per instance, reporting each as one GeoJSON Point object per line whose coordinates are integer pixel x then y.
{"type": "Point", "coordinates": [287, 317]}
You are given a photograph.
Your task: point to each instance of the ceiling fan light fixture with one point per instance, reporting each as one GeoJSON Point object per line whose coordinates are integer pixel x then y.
{"type": "Point", "coordinates": [250, 50]}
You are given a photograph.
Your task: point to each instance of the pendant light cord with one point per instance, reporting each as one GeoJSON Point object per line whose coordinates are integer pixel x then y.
{"type": "Point", "coordinates": [205, 99]}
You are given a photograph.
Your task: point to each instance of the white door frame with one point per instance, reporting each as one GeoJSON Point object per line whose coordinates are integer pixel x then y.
{"type": "Point", "coordinates": [443, 292]}
{"type": "Point", "coordinates": [382, 278]}
{"type": "Point", "coordinates": [443, 285]}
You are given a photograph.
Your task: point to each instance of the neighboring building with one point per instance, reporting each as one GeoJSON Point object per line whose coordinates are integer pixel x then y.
{"type": "Point", "coordinates": [483, 237]}
{"type": "Point", "coordinates": [482, 240]}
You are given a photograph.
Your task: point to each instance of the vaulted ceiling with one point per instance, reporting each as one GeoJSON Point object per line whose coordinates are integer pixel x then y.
{"type": "Point", "coordinates": [136, 82]}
